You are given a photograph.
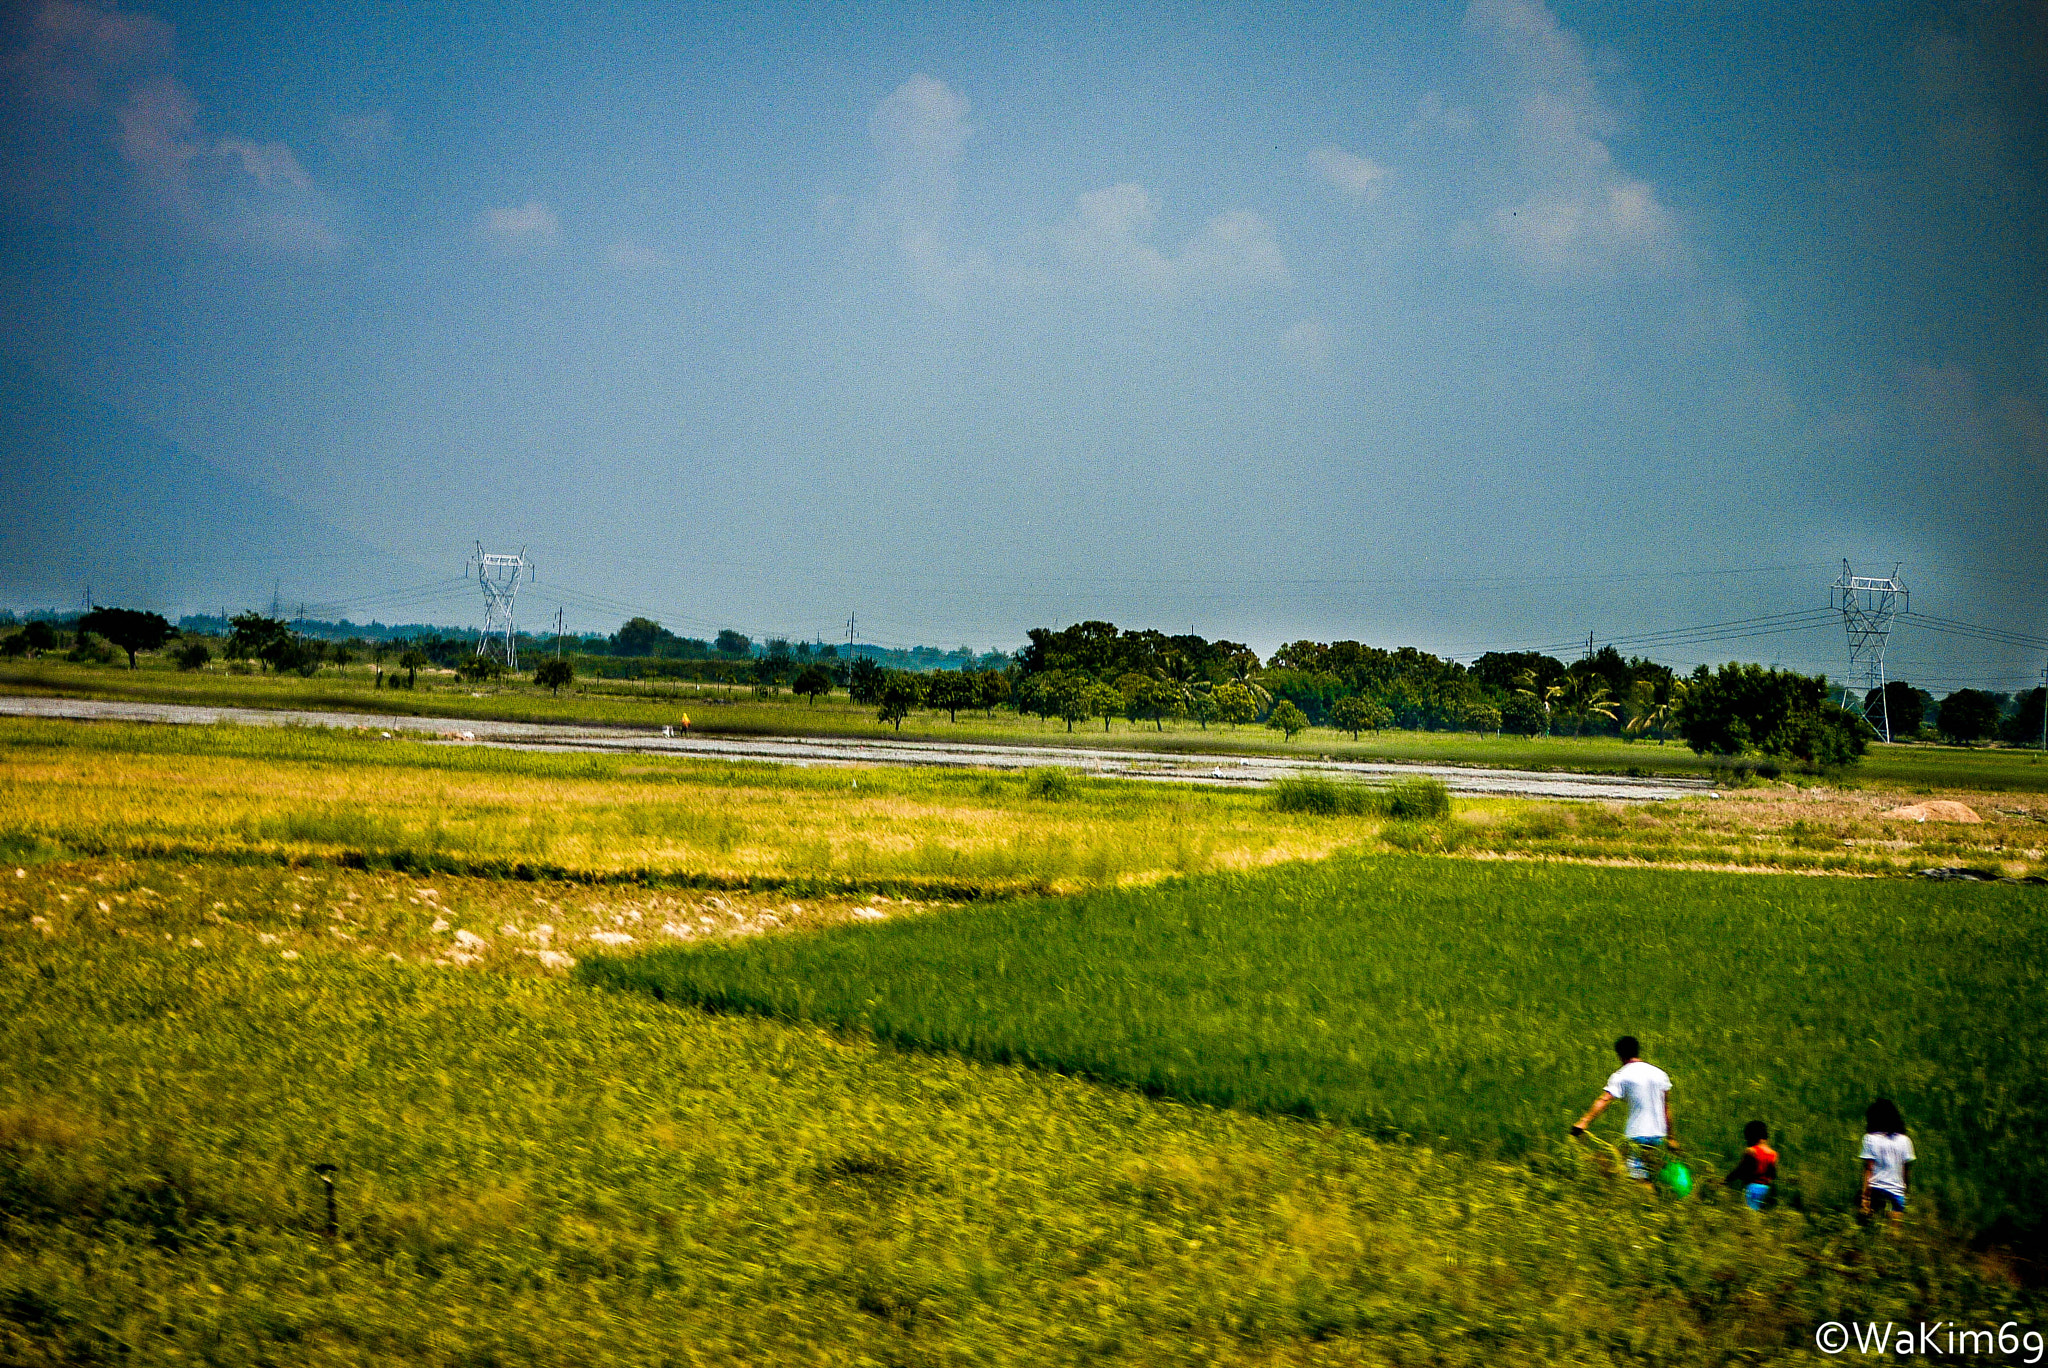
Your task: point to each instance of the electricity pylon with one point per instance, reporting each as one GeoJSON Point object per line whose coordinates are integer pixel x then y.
{"type": "Point", "coordinates": [1868, 607]}
{"type": "Point", "coordinates": [499, 574]}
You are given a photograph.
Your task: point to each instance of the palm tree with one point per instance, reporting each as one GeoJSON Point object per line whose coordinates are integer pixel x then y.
{"type": "Point", "coordinates": [1586, 696]}
{"type": "Point", "coordinates": [1527, 687]}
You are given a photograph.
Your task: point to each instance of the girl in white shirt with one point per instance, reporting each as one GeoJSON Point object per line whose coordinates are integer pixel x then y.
{"type": "Point", "coordinates": [1887, 1157]}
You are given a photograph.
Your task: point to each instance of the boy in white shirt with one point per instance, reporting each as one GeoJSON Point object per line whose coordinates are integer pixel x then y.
{"type": "Point", "coordinates": [1887, 1157]}
{"type": "Point", "coordinates": [1647, 1089]}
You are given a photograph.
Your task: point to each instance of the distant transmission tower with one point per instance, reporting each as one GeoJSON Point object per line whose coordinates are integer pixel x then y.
{"type": "Point", "coordinates": [1867, 607]}
{"type": "Point", "coordinates": [499, 575]}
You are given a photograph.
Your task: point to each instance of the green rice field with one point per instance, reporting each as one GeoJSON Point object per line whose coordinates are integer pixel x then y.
{"type": "Point", "coordinates": [1470, 1005]}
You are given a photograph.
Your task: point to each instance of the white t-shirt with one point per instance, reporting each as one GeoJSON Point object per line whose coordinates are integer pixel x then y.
{"type": "Point", "coordinates": [1889, 1155]}
{"type": "Point", "coordinates": [1642, 1086]}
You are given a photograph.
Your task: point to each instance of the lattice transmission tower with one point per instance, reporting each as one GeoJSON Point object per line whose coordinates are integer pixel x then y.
{"type": "Point", "coordinates": [1868, 607]}
{"type": "Point", "coordinates": [499, 574]}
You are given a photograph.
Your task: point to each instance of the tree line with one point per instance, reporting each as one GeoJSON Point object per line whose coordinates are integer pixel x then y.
{"type": "Point", "coordinates": [1095, 671]}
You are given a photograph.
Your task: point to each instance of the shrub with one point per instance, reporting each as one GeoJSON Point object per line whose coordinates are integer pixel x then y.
{"type": "Point", "coordinates": [478, 669]}
{"type": "Point", "coordinates": [1419, 799]}
{"type": "Point", "coordinates": [193, 655]}
{"type": "Point", "coordinates": [1322, 797]}
{"type": "Point", "coordinates": [1411, 800]}
{"type": "Point", "coordinates": [1052, 784]}
{"type": "Point", "coordinates": [92, 648]}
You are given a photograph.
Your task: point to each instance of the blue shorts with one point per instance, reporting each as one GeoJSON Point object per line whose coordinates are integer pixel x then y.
{"type": "Point", "coordinates": [1645, 1144]}
{"type": "Point", "coordinates": [1754, 1194]}
{"type": "Point", "coordinates": [1883, 1200]}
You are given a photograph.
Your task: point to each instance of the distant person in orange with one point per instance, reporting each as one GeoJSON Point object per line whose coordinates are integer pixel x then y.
{"type": "Point", "coordinates": [686, 724]}
{"type": "Point", "coordinates": [1756, 1173]}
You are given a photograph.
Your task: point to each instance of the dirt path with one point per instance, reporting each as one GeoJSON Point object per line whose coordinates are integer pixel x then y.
{"type": "Point", "coordinates": [1242, 772]}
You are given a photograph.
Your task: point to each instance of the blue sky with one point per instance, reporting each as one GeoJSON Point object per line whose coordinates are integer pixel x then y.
{"type": "Point", "coordinates": [1461, 325]}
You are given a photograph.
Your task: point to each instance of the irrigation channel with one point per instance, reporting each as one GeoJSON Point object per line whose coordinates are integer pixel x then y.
{"type": "Point", "coordinates": [1228, 771]}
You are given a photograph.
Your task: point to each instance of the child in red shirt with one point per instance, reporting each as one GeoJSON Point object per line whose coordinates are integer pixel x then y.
{"type": "Point", "coordinates": [1757, 1173]}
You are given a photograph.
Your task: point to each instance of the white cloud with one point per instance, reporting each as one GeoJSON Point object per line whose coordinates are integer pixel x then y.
{"type": "Point", "coordinates": [1308, 344]}
{"type": "Point", "coordinates": [1354, 175]}
{"type": "Point", "coordinates": [2003, 436]}
{"type": "Point", "coordinates": [921, 130]}
{"type": "Point", "coordinates": [362, 138]}
{"type": "Point", "coordinates": [269, 164]}
{"type": "Point", "coordinates": [528, 227]}
{"type": "Point", "coordinates": [1433, 111]}
{"type": "Point", "coordinates": [71, 52]}
{"type": "Point", "coordinates": [921, 127]}
{"type": "Point", "coordinates": [631, 256]}
{"type": "Point", "coordinates": [1107, 241]}
{"type": "Point", "coordinates": [89, 63]}
{"type": "Point", "coordinates": [1570, 207]}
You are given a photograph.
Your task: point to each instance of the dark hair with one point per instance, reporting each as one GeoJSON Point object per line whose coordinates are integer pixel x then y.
{"type": "Point", "coordinates": [1754, 1132]}
{"type": "Point", "coordinates": [1628, 1048]}
{"type": "Point", "coordinates": [1883, 1117]}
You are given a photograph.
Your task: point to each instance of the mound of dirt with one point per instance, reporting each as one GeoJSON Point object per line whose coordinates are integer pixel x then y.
{"type": "Point", "coordinates": [1936, 810]}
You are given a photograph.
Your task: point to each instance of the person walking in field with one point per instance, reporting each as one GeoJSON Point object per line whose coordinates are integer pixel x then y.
{"type": "Point", "coordinates": [1887, 1158]}
{"type": "Point", "coordinates": [1756, 1173]}
{"type": "Point", "coordinates": [1647, 1090]}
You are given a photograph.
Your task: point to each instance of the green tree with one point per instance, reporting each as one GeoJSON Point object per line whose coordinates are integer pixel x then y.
{"type": "Point", "coordinates": [553, 672]}
{"type": "Point", "coordinates": [1542, 697]}
{"type": "Point", "coordinates": [1287, 719]}
{"type": "Point", "coordinates": [991, 687]}
{"type": "Point", "coordinates": [864, 680]}
{"type": "Point", "coordinates": [1481, 715]}
{"type": "Point", "coordinates": [733, 645]}
{"type": "Point", "coordinates": [951, 690]}
{"type": "Point", "coordinates": [639, 636]}
{"type": "Point", "coordinates": [1968, 715]}
{"type": "Point", "coordinates": [900, 693]}
{"type": "Point", "coordinates": [1070, 695]}
{"type": "Point", "coordinates": [1235, 704]}
{"type": "Point", "coordinates": [1905, 706]}
{"type": "Point", "coordinates": [412, 662]}
{"type": "Point", "coordinates": [39, 636]}
{"type": "Point", "coordinates": [1104, 701]}
{"type": "Point", "coordinates": [267, 639]}
{"type": "Point", "coordinates": [1358, 714]}
{"type": "Point", "coordinates": [813, 682]}
{"type": "Point", "coordinates": [1584, 697]}
{"type": "Point", "coordinates": [1747, 707]}
{"type": "Point", "coordinates": [1638, 708]}
{"type": "Point", "coordinates": [130, 629]}
{"type": "Point", "coordinates": [2023, 728]}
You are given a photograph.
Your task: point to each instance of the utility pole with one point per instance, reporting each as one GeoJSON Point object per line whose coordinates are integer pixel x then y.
{"type": "Point", "coordinates": [558, 632]}
{"type": "Point", "coordinates": [2044, 707]}
{"type": "Point", "coordinates": [849, 641]}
